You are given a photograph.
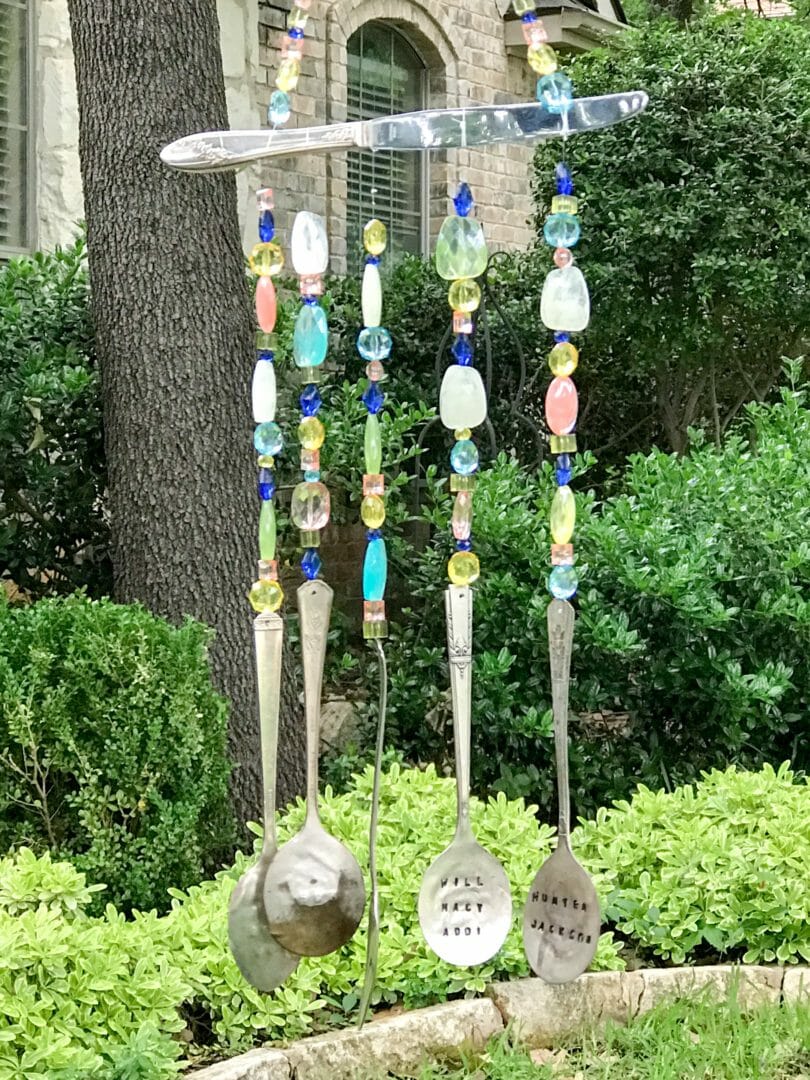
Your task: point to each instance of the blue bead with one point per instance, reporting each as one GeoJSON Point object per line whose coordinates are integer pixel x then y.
{"type": "Point", "coordinates": [464, 545]}
{"type": "Point", "coordinates": [563, 461]}
{"type": "Point", "coordinates": [563, 582]}
{"type": "Point", "coordinates": [266, 484]}
{"type": "Point", "coordinates": [373, 397]}
{"type": "Point", "coordinates": [373, 534]}
{"type": "Point", "coordinates": [463, 349]}
{"type": "Point", "coordinates": [464, 457]}
{"type": "Point", "coordinates": [563, 476]}
{"type": "Point", "coordinates": [310, 300]}
{"type": "Point", "coordinates": [463, 200]}
{"type": "Point", "coordinates": [312, 476]}
{"type": "Point", "coordinates": [311, 563]}
{"type": "Point", "coordinates": [266, 354]}
{"type": "Point", "coordinates": [565, 182]}
{"type": "Point", "coordinates": [267, 226]}
{"type": "Point", "coordinates": [373, 260]}
{"type": "Point", "coordinates": [561, 230]}
{"type": "Point", "coordinates": [374, 343]}
{"type": "Point", "coordinates": [295, 32]}
{"type": "Point", "coordinates": [311, 335]}
{"type": "Point", "coordinates": [561, 336]}
{"type": "Point", "coordinates": [278, 112]}
{"type": "Point", "coordinates": [267, 438]}
{"type": "Point", "coordinates": [375, 570]}
{"type": "Point", "coordinates": [556, 92]}
{"type": "Point", "coordinates": [529, 16]}
{"type": "Point", "coordinates": [310, 400]}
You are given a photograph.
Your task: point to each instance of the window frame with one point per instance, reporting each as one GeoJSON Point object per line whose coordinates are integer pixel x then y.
{"type": "Point", "coordinates": [11, 251]}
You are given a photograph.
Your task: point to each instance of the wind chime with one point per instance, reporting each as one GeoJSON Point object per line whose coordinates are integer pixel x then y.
{"type": "Point", "coordinates": [308, 898]}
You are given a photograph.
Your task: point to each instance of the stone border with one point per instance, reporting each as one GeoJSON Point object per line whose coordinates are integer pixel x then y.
{"type": "Point", "coordinates": [540, 1014]}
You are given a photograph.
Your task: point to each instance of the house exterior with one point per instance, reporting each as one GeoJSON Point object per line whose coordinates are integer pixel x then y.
{"type": "Point", "coordinates": [362, 58]}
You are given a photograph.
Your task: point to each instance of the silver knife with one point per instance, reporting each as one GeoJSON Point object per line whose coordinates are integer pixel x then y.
{"type": "Point", "coordinates": [431, 129]}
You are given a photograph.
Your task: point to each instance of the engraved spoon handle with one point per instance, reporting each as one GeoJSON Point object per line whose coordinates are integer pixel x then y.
{"type": "Point", "coordinates": [458, 605]}
{"type": "Point", "coordinates": [268, 637]}
{"type": "Point", "coordinates": [560, 643]}
{"type": "Point", "coordinates": [314, 609]}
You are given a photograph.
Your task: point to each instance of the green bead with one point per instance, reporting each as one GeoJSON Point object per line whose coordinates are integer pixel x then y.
{"type": "Point", "coordinates": [563, 444]}
{"type": "Point", "coordinates": [461, 250]}
{"type": "Point", "coordinates": [373, 445]}
{"type": "Point", "coordinates": [563, 515]}
{"type": "Point", "coordinates": [267, 531]}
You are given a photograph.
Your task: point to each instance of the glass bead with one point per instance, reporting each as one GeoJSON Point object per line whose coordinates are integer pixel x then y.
{"type": "Point", "coordinates": [279, 109]}
{"type": "Point", "coordinates": [309, 244]}
{"type": "Point", "coordinates": [462, 398]}
{"type": "Point", "coordinates": [563, 582]}
{"type": "Point", "coordinates": [563, 515]}
{"type": "Point", "coordinates": [374, 343]}
{"type": "Point", "coordinates": [461, 520]}
{"type": "Point", "coordinates": [464, 545]}
{"type": "Point", "coordinates": [562, 554]}
{"type": "Point", "coordinates": [373, 534]}
{"type": "Point", "coordinates": [461, 249]}
{"type": "Point", "coordinates": [266, 260]}
{"type": "Point", "coordinates": [310, 506]}
{"type": "Point", "coordinates": [565, 182]}
{"type": "Point", "coordinates": [374, 610]}
{"type": "Point", "coordinates": [266, 484]}
{"type": "Point", "coordinates": [266, 596]}
{"type": "Point", "coordinates": [464, 295]}
{"type": "Point", "coordinates": [268, 569]}
{"type": "Point", "coordinates": [561, 335]}
{"type": "Point", "coordinates": [534, 32]}
{"type": "Point", "coordinates": [462, 323]}
{"type": "Point", "coordinates": [524, 7]}
{"type": "Point", "coordinates": [267, 438]}
{"type": "Point", "coordinates": [561, 230]}
{"type": "Point", "coordinates": [464, 568]}
{"type": "Point", "coordinates": [373, 445]}
{"type": "Point", "coordinates": [562, 405]}
{"type": "Point", "coordinates": [289, 71]}
{"type": "Point", "coordinates": [462, 483]}
{"type": "Point", "coordinates": [462, 433]}
{"type": "Point", "coordinates": [375, 237]}
{"type": "Point", "coordinates": [373, 484]}
{"type": "Point", "coordinates": [265, 461]}
{"type": "Point", "coordinates": [565, 303]}
{"type": "Point", "coordinates": [373, 397]}
{"type": "Point", "coordinates": [556, 92]}
{"type": "Point", "coordinates": [542, 59]}
{"type": "Point", "coordinates": [564, 204]}
{"type": "Point", "coordinates": [311, 563]}
{"type": "Point", "coordinates": [375, 631]}
{"type": "Point", "coordinates": [372, 511]}
{"type": "Point", "coordinates": [311, 336]}
{"type": "Point", "coordinates": [375, 570]}
{"type": "Point", "coordinates": [463, 349]}
{"type": "Point", "coordinates": [463, 200]}
{"type": "Point", "coordinates": [309, 538]}
{"type": "Point", "coordinates": [563, 444]}
{"type": "Point", "coordinates": [298, 16]}
{"type": "Point", "coordinates": [265, 342]}
{"type": "Point", "coordinates": [563, 358]}
{"type": "Point", "coordinates": [266, 304]}
{"type": "Point", "coordinates": [310, 285]}
{"type": "Point", "coordinates": [267, 226]}
{"type": "Point", "coordinates": [311, 433]}
{"type": "Point", "coordinates": [310, 460]}
{"type": "Point", "coordinates": [310, 400]}
{"type": "Point", "coordinates": [375, 371]}
{"type": "Point", "coordinates": [464, 457]}
{"type": "Point", "coordinates": [267, 531]}
{"type": "Point", "coordinates": [292, 46]}
{"type": "Point", "coordinates": [296, 32]}
{"type": "Point", "coordinates": [265, 200]}
{"type": "Point", "coordinates": [563, 257]}
{"type": "Point", "coordinates": [563, 476]}
{"type": "Point", "coordinates": [263, 391]}
{"type": "Point", "coordinates": [371, 295]}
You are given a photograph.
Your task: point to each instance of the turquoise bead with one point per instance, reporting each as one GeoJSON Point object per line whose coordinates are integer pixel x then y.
{"type": "Point", "coordinates": [279, 109]}
{"type": "Point", "coordinates": [556, 92]}
{"type": "Point", "coordinates": [311, 336]}
{"type": "Point", "coordinates": [374, 343]}
{"type": "Point", "coordinates": [375, 570]}
{"type": "Point", "coordinates": [561, 230]}
{"type": "Point", "coordinates": [267, 438]}
{"type": "Point", "coordinates": [464, 457]}
{"type": "Point", "coordinates": [563, 582]}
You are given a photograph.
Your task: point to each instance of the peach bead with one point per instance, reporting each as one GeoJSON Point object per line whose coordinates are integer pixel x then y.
{"type": "Point", "coordinates": [266, 304]}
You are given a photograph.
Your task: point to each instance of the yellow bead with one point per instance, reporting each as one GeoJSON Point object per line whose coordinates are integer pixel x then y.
{"type": "Point", "coordinates": [462, 483]}
{"type": "Point", "coordinates": [311, 433]}
{"type": "Point", "coordinates": [542, 59]}
{"type": "Point", "coordinates": [563, 444]}
{"type": "Point", "coordinates": [564, 204]}
{"type": "Point", "coordinates": [563, 515]}
{"type": "Point", "coordinates": [464, 295]}
{"type": "Point", "coordinates": [375, 237]}
{"type": "Point", "coordinates": [266, 260]}
{"type": "Point", "coordinates": [288, 73]}
{"type": "Point", "coordinates": [266, 596]}
{"type": "Point", "coordinates": [372, 511]}
{"type": "Point", "coordinates": [464, 568]}
{"type": "Point", "coordinates": [265, 461]}
{"type": "Point", "coordinates": [462, 433]}
{"type": "Point", "coordinates": [563, 358]}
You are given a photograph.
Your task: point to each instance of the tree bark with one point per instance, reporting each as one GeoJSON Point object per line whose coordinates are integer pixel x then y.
{"type": "Point", "coordinates": [173, 326]}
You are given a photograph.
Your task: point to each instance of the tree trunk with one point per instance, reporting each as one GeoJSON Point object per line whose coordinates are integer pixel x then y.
{"type": "Point", "coordinates": [173, 328]}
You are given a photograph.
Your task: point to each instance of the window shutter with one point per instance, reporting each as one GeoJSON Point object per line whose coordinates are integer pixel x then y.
{"type": "Point", "coordinates": [14, 123]}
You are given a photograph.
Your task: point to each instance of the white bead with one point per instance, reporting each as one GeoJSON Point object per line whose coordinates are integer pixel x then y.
{"type": "Point", "coordinates": [372, 296]}
{"type": "Point", "coordinates": [565, 303]}
{"type": "Point", "coordinates": [309, 244]}
{"type": "Point", "coordinates": [264, 392]}
{"type": "Point", "coordinates": [462, 399]}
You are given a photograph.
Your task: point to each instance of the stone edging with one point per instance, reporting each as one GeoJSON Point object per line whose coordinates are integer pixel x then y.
{"type": "Point", "coordinates": [540, 1014]}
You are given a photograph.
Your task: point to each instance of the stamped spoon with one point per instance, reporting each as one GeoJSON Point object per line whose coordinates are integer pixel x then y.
{"type": "Point", "coordinates": [260, 958]}
{"type": "Point", "coordinates": [314, 893]}
{"type": "Point", "coordinates": [561, 920]}
{"type": "Point", "coordinates": [465, 907]}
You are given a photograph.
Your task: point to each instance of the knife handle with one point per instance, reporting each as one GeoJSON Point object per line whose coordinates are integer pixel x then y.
{"type": "Point", "coordinates": [215, 151]}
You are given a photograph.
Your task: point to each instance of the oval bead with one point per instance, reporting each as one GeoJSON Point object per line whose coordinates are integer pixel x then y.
{"type": "Point", "coordinates": [309, 509]}
{"type": "Point", "coordinates": [563, 358]}
{"type": "Point", "coordinates": [461, 249]}
{"type": "Point", "coordinates": [375, 237]}
{"type": "Point", "coordinates": [374, 343]}
{"type": "Point", "coordinates": [309, 244]}
{"type": "Point", "coordinates": [462, 398]}
{"type": "Point", "coordinates": [311, 433]}
{"type": "Point", "coordinates": [372, 511]}
{"type": "Point", "coordinates": [263, 391]}
{"type": "Point", "coordinates": [266, 304]}
{"type": "Point", "coordinates": [562, 405]}
{"type": "Point", "coordinates": [289, 71]}
{"type": "Point", "coordinates": [542, 59]}
{"type": "Point", "coordinates": [266, 259]}
{"type": "Point", "coordinates": [462, 515]}
{"type": "Point", "coordinates": [563, 515]}
{"type": "Point", "coordinates": [563, 582]}
{"type": "Point", "coordinates": [266, 596]}
{"type": "Point", "coordinates": [565, 303]}
{"type": "Point", "coordinates": [267, 531]}
{"type": "Point", "coordinates": [311, 336]}
{"type": "Point", "coordinates": [371, 295]}
{"type": "Point", "coordinates": [375, 570]}
{"type": "Point", "coordinates": [279, 109]}
{"type": "Point", "coordinates": [464, 568]}
{"type": "Point", "coordinates": [373, 445]}
{"type": "Point", "coordinates": [464, 295]}
{"type": "Point", "coordinates": [561, 230]}
{"type": "Point", "coordinates": [556, 92]}
{"type": "Point", "coordinates": [464, 457]}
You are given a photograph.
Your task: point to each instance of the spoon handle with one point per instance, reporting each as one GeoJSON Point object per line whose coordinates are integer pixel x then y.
{"type": "Point", "coordinates": [560, 642]}
{"type": "Point", "coordinates": [268, 637]}
{"type": "Point", "coordinates": [314, 610]}
{"type": "Point", "coordinates": [458, 605]}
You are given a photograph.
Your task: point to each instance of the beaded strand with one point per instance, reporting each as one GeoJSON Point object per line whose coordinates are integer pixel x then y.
{"type": "Point", "coordinates": [289, 70]}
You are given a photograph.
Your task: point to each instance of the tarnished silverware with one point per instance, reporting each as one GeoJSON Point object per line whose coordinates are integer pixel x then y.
{"type": "Point", "coordinates": [561, 920]}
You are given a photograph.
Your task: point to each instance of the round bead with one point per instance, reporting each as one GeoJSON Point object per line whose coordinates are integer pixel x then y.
{"type": "Point", "coordinates": [311, 433]}
{"type": "Point", "coordinates": [464, 295]}
{"type": "Point", "coordinates": [374, 343]}
{"type": "Point", "coordinates": [372, 511]}
{"type": "Point", "coordinates": [556, 93]}
{"type": "Point", "coordinates": [265, 461]}
{"type": "Point", "coordinates": [266, 596]}
{"type": "Point", "coordinates": [266, 260]}
{"type": "Point", "coordinates": [278, 111]}
{"type": "Point", "coordinates": [289, 71]}
{"type": "Point", "coordinates": [563, 358]}
{"type": "Point", "coordinates": [310, 506]}
{"type": "Point", "coordinates": [563, 582]}
{"type": "Point", "coordinates": [267, 438]}
{"type": "Point", "coordinates": [563, 257]}
{"type": "Point", "coordinates": [464, 568]}
{"type": "Point", "coordinates": [375, 237]}
{"type": "Point", "coordinates": [542, 59]}
{"type": "Point", "coordinates": [375, 370]}
{"type": "Point", "coordinates": [462, 433]}
{"type": "Point", "coordinates": [561, 230]}
{"type": "Point", "coordinates": [464, 457]}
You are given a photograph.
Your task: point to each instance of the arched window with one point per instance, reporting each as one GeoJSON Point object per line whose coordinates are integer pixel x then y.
{"type": "Point", "coordinates": [386, 75]}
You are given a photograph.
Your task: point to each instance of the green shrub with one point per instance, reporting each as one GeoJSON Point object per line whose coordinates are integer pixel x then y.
{"type": "Point", "coordinates": [723, 867]}
{"type": "Point", "coordinates": [112, 745]}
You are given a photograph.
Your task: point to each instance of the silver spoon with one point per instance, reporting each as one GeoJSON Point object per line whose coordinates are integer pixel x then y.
{"type": "Point", "coordinates": [260, 958]}
{"type": "Point", "coordinates": [561, 920]}
{"type": "Point", "coordinates": [313, 893]}
{"type": "Point", "coordinates": [465, 907]}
